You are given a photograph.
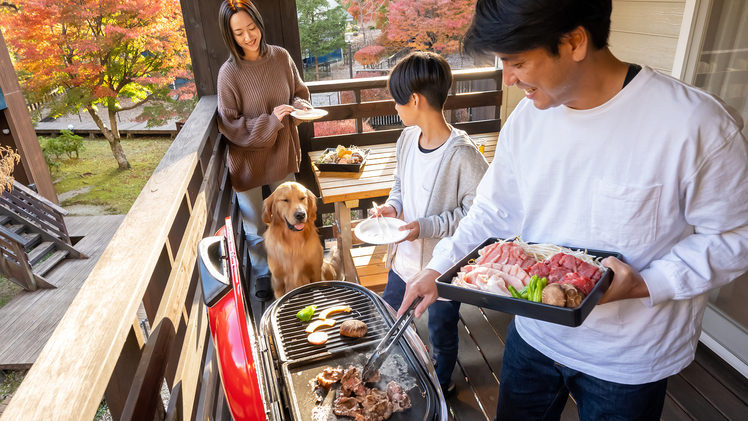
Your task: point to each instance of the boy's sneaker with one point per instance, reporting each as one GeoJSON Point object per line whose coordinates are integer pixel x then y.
{"type": "Point", "coordinates": [450, 390]}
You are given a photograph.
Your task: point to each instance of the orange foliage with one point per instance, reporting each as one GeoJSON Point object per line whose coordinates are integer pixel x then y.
{"type": "Point", "coordinates": [96, 51]}
{"type": "Point", "coordinates": [369, 56]}
{"type": "Point", "coordinates": [336, 127]}
{"type": "Point", "coordinates": [429, 24]}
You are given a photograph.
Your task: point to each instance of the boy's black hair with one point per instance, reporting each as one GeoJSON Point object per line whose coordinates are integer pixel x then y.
{"type": "Point", "coordinates": [515, 26]}
{"type": "Point", "coordinates": [422, 73]}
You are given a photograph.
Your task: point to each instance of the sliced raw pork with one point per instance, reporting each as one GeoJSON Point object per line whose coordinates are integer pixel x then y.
{"type": "Point", "coordinates": [506, 254]}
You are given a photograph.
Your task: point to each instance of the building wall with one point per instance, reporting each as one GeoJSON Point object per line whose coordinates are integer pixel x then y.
{"type": "Point", "coordinates": [641, 31]}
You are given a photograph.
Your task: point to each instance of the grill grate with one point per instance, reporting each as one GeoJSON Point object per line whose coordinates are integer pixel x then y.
{"type": "Point", "coordinates": [293, 343]}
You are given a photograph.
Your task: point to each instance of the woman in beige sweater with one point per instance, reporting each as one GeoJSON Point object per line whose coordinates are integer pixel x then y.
{"type": "Point", "coordinates": [258, 87]}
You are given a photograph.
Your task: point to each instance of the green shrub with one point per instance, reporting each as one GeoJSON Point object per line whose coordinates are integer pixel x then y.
{"type": "Point", "coordinates": [51, 147]}
{"type": "Point", "coordinates": [70, 143]}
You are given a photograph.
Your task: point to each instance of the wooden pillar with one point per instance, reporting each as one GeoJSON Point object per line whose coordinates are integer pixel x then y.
{"type": "Point", "coordinates": [21, 128]}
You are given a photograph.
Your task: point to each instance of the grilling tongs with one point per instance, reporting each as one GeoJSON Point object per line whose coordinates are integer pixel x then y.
{"type": "Point", "coordinates": [385, 346]}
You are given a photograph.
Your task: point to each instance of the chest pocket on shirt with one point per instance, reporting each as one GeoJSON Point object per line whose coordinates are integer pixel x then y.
{"type": "Point", "coordinates": [625, 215]}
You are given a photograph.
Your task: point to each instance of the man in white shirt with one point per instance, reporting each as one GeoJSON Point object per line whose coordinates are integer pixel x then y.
{"type": "Point", "coordinates": [605, 156]}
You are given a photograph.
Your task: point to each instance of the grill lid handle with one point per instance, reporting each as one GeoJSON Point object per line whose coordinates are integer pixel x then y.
{"type": "Point", "coordinates": [385, 346]}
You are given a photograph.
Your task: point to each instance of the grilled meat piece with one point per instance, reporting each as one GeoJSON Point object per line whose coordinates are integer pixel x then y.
{"type": "Point", "coordinates": [376, 406]}
{"type": "Point", "coordinates": [351, 383]}
{"type": "Point", "coordinates": [329, 376]}
{"type": "Point", "coordinates": [397, 396]}
{"type": "Point", "coordinates": [346, 406]}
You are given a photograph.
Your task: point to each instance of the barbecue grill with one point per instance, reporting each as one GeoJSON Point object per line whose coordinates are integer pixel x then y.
{"type": "Point", "coordinates": [266, 369]}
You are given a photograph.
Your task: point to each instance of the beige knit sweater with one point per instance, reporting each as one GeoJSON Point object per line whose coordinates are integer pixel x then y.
{"type": "Point", "coordinates": [262, 149]}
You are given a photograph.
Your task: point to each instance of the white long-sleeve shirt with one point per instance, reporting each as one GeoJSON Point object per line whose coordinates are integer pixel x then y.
{"type": "Point", "coordinates": [659, 174]}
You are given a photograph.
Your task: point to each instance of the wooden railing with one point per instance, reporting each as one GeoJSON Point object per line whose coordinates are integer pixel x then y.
{"type": "Point", "coordinates": [14, 262]}
{"type": "Point", "coordinates": [40, 216]}
{"type": "Point", "coordinates": [36, 209]}
{"type": "Point", "coordinates": [98, 348]}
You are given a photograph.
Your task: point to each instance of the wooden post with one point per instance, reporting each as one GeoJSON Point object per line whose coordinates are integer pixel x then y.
{"type": "Point", "coordinates": [21, 128]}
{"type": "Point", "coordinates": [27, 274]}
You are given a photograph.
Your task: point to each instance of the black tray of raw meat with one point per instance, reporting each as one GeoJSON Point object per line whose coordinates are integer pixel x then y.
{"type": "Point", "coordinates": [560, 315]}
{"type": "Point", "coordinates": [341, 167]}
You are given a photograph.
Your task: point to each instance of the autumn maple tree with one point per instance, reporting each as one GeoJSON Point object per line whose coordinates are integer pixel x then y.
{"type": "Point", "coordinates": [95, 53]}
{"type": "Point", "coordinates": [368, 12]}
{"type": "Point", "coordinates": [436, 25]}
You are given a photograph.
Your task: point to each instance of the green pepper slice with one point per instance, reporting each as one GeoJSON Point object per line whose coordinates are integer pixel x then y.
{"type": "Point", "coordinates": [306, 313]}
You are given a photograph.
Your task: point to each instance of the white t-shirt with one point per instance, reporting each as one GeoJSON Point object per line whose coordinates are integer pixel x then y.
{"type": "Point", "coordinates": [419, 175]}
{"type": "Point", "coordinates": [658, 174]}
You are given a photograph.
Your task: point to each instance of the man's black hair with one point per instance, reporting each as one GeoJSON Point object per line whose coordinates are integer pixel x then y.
{"type": "Point", "coordinates": [422, 73]}
{"type": "Point", "coordinates": [515, 26]}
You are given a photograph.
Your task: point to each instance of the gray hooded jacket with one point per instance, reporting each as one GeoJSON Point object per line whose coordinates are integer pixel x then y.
{"type": "Point", "coordinates": [461, 169]}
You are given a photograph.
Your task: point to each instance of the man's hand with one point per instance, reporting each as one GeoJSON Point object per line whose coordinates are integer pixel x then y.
{"type": "Point", "coordinates": [281, 111]}
{"type": "Point", "coordinates": [415, 229]}
{"type": "Point", "coordinates": [422, 285]}
{"type": "Point", "coordinates": [626, 283]}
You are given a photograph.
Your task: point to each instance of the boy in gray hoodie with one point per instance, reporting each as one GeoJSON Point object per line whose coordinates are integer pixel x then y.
{"type": "Point", "coordinates": [438, 169]}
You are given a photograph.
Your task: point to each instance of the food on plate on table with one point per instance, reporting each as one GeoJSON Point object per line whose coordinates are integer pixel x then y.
{"type": "Point", "coordinates": [356, 400]}
{"type": "Point", "coordinates": [333, 310]}
{"type": "Point", "coordinates": [353, 328]}
{"type": "Point", "coordinates": [319, 323]}
{"type": "Point", "coordinates": [306, 313]}
{"type": "Point", "coordinates": [342, 155]}
{"type": "Point", "coordinates": [523, 271]}
{"type": "Point", "coordinates": [318, 338]}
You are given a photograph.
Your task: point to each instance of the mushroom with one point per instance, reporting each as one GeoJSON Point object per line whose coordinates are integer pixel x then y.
{"type": "Point", "coordinates": [554, 295]}
{"type": "Point", "coordinates": [353, 328]}
{"type": "Point", "coordinates": [574, 296]}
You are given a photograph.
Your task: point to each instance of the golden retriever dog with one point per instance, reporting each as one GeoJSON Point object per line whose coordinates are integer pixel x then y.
{"type": "Point", "coordinates": [295, 254]}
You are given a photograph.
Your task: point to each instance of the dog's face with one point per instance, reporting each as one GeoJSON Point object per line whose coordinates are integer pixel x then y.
{"type": "Point", "coordinates": [291, 205]}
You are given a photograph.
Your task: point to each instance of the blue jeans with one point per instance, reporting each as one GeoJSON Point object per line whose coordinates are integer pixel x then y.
{"type": "Point", "coordinates": [534, 387]}
{"type": "Point", "coordinates": [443, 317]}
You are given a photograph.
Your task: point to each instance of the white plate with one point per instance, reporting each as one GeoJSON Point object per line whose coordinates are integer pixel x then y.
{"type": "Point", "coordinates": [368, 231]}
{"type": "Point", "coordinates": [308, 115]}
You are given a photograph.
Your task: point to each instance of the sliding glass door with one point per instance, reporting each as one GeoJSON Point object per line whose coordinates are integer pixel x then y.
{"type": "Point", "coordinates": [719, 64]}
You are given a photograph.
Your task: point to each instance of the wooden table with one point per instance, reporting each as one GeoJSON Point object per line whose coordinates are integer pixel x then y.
{"type": "Point", "coordinates": [344, 189]}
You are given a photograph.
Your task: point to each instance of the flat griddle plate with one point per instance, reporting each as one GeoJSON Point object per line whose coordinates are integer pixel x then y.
{"type": "Point", "coordinates": [400, 366]}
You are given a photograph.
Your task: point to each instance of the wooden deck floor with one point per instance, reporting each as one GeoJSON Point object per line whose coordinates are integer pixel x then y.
{"type": "Point", "coordinates": [27, 322]}
{"type": "Point", "coordinates": [707, 390]}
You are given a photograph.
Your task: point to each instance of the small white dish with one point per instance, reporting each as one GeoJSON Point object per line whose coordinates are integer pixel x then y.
{"type": "Point", "coordinates": [369, 232]}
{"type": "Point", "coordinates": [308, 115]}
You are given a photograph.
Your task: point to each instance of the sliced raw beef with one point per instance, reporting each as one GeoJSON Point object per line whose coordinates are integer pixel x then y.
{"type": "Point", "coordinates": [555, 268]}
{"type": "Point", "coordinates": [589, 271]}
{"type": "Point", "coordinates": [582, 282]}
{"type": "Point", "coordinates": [557, 274]}
{"type": "Point", "coordinates": [540, 269]}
